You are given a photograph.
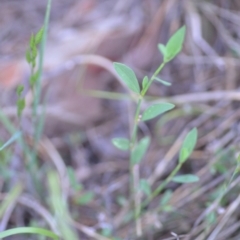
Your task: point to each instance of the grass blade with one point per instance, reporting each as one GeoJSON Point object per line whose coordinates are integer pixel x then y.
{"type": "Point", "coordinates": [26, 230]}
{"type": "Point", "coordinates": [11, 140]}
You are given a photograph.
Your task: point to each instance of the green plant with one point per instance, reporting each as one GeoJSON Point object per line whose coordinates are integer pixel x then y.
{"type": "Point", "coordinates": [142, 192]}
{"type": "Point", "coordinates": [31, 57]}
{"type": "Point", "coordinates": [138, 148]}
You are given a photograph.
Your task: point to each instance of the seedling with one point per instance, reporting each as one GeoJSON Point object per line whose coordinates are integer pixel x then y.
{"type": "Point", "coordinates": [138, 148]}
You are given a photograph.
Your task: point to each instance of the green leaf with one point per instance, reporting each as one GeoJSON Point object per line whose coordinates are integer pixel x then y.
{"type": "Point", "coordinates": [162, 49]}
{"type": "Point", "coordinates": [20, 89]}
{"type": "Point", "coordinates": [163, 82]}
{"type": "Point", "coordinates": [122, 201]}
{"type": "Point", "coordinates": [128, 76]}
{"type": "Point", "coordinates": [188, 145]}
{"type": "Point", "coordinates": [145, 187]}
{"type": "Point", "coordinates": [34, 78]}
{"type": "Point", "coordinates": [20, 106]}
{"type": "Point", "coordinates": [39, 35]}
{"type": "Point", "coordinates": [211, 218]}
{"type": "Point", "coordinates": [85, 198]}
{"type": "Point", "coordinates": [155, 110]}
{"type": "Point", "coordinates": [27, 230]}
{"type": "Point", "coordinates": [121, 143]}
{"type": "Point", "coordinates": [140, 150]}
{"type": "Point", "coordinates": [187, 178]}
{"type": "Point", "coordinates": [144, 82]}
{"type": "Point", "coordinates": [11, 198]}
{"type": "Point", "coordinates": [59, 207]}
{"type": "Point", "coordinates": [32, 42]}
{"type": "Point", "coordinates": [34, 53]}
{"type": "Point", "coordinates": [106, 232]}
{"type": "Point", "coordinates": [128, 217]}
{"type": "Point", "coordinates": [174, 45]}
{"type": "Point", "coordinates": [166, 197]}
{"type": "Point", "coordinates": [28, 56]}
{"type": "Point", "coordinates": [11, 140]}
{"type": "Point", "coordinates": [73, 180]}
{"type": "Point", "coordinates": [167, 208]}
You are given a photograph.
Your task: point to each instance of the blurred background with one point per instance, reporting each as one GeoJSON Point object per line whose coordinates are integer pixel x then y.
{"type": "Point", "coordinates": [86, 106]}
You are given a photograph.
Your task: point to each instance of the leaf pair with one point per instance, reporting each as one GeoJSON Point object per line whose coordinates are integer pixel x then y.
{"type": "Point", "coordinates": [173, 46]}
{"type": "Point", "coordinates": [128, 76]}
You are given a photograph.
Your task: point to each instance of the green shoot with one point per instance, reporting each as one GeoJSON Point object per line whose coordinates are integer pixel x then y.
{"type": "Point", "coordinates": [138, 149]}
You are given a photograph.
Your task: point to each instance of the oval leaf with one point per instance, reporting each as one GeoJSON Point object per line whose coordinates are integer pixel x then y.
{"type": "Point", "coordinates": [128, 76]}
{"type": "Point", "coordinates": [85, 198]}
{"type": "Point", "coordinates": [121, 143]}
{"type": "Point", "coordinates": [162, 49]}
{"type": "Point", "coordinates": [145, 187]}
{"type": "Point", "coordinates": [174, 45]}
{"type": "Point", "coordinates": [140, 150]}
{"type": "Point", "coordinates": [188, 145]}
{"type": "Point", "coordinates": [187, 178]}
{"type": "Point", "coordinates": [155, 110]}
{"type": "Point", "coordinates": [163, 82]}
{"type": "Point", "coordinates": [166, 198]}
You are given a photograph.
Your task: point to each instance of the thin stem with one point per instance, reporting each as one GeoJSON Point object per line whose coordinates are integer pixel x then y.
{"type": "Point", "coordinates": [236, 170]}
{"type": "Point", "coordinates": [158, 190]}
{"type": "Point", "coordinates": [37, 88]}
{"type": "Point", "coordinates": [134, 172]}
{"type": "Point", "coordinates": [135, 125]}
{"type": "Point", "coordinates": [137, 200]}
{"type": "Point", "coordinates": [41, 58]}
{"type": "Point", "coordinates": [37, 94]}
{"type": "Point", "coordinates": [22, 142]}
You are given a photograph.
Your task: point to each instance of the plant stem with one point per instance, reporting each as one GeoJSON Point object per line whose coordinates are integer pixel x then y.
{"type": "Point", "coordinates": [37, 87]}
{"type": "Point", "coordinates": [153, 77]}
{"type": "Point", "coordinates": [137, 200]}
{"type": "Point", "coordinates": [134, 172]}
{"type": "Point", "coordinates": [41, 57]}
{"type": "Point", "coordinates": [135, 125]}
{"type": "Point", "coordinates": [38, 122]}
{"type": "Point", "coordinates": [158, 190]}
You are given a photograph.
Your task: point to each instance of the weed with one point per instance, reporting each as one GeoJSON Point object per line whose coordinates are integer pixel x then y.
{"type": "Point", "coordinates": [137, 149]}
{"type": "Point", "coordinates": [31, 57]}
